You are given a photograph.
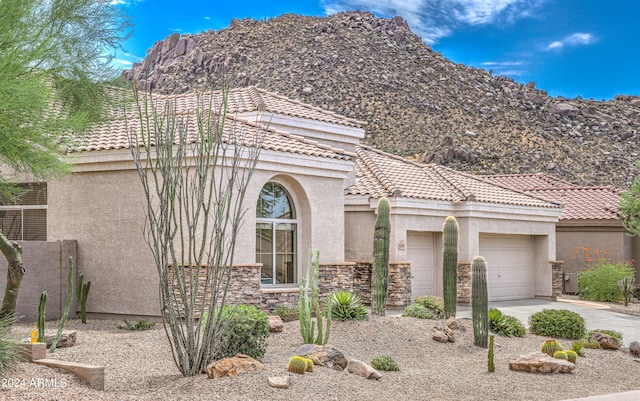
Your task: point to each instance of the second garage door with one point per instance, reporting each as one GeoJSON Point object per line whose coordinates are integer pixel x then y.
{"type": "Point", "coordinates": [509, 266]}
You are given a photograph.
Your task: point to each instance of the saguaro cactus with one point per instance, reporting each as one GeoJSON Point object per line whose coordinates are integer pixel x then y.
{"type": "Point", "coordinates": [381, 258]}
{"type": "Point", "coordinates": [41, 310]}
{"type": "Point", "coordinates": [450, 266]}
{"type": "Point", "coordinates": [479, 301]}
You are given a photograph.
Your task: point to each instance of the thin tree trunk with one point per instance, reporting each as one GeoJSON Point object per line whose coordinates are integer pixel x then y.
{"type": "Point", "coordinates": [15, 271]}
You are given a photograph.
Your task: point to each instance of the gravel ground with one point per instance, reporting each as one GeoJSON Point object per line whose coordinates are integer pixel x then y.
{"type": "Point", "coordinates": [139, 366]}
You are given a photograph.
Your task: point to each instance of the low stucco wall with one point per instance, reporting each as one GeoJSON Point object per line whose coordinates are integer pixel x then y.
{"type": "Point", "coordinates": [47, 269]}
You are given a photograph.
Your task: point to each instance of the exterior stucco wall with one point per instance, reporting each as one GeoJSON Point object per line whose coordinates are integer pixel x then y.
{"type": "Point", "coordinates": [606, 239]}
{"type": "Point", "coordinates": [101, 206]}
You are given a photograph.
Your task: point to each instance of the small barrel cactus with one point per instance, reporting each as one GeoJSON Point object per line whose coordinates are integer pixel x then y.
{"type": "Point", "coordinates": [298, 364]}
{"type": "Point", "coordinates": [384, 362]}
{"type": "Point", "coordinates": [560, 355]}
{"type": "Point", "coordinates": [550, 347]}
{"type": "Point", "coordinates": [572, 356]}
{"type": "Point", "coordinates": [309, 363]}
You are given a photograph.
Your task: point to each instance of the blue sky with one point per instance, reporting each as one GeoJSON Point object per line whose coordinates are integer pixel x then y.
{"type": "Point", "coordinates": [588, 48]}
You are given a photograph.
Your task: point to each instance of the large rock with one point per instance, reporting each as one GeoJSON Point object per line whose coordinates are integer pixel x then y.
{"type": "Point", "coordinates": [68, 339]}
{"type": "Point", "coordinates": [443, 334]}
{"type": "Point", "coordinates": [634, 349]}
{"type": "Point", "coordinates": [605, 341]}
{"type": "Point", "coordinates": [233, 366]}
{"type": "Point", "coordinates": [275, 324]}
{"type": "Point", "coordinates": [360, 368]}
{"type": "Point", "coordinates": [539, 362]}
{"type": "Point", "coordinates": [454, 324]}
{"type": "Point", "coordinates": [324, 355]}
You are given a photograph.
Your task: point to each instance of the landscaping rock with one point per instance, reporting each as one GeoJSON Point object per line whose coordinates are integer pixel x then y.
{"type": "Point", "coordinates": [539, 362]}
{"type": "Point", "coordinates": [442, 333]}
{"type": "Point", "coordinates": [360, 368]}
{"type": "Point", "coordinates": [275, 324]}
{"type": "Point", "coordinates": [606, 341]}
{"type": "Point", "coordinates": [454, 324]}
{"type": "Point", "coordinates": [279, 381]}
{"type": "Point", "coordinates": [324, 355]}
{"type": "Point", "coordinates": [68, 339]}
{"type": "Point", "coordinates": [233, 366]}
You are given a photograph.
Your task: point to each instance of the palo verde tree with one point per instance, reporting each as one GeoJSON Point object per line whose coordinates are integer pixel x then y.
{"type": "Point", "coordinates": [194, 172]}
{"type": "Point", "coordinates": [53, 56]}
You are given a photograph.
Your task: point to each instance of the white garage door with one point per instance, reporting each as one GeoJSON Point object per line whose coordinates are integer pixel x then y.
{"type": "Point", "coordinates": [420, 254]}
{"type": "Point", "coordinates": [509, 266]}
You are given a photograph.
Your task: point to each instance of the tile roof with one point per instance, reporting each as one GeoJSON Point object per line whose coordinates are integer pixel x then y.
{"type": "Point", "coordinates": [113, 133]}
{"type": "Point", "coordinates": [382, 174]}
{"type": "Point", "coordinates": [579, 202]}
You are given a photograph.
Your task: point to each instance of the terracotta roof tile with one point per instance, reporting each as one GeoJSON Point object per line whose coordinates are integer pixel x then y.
{"type": "Point", "coordinates": [579, 202]}
{"type": "Point", "coordinates": [382, 174]}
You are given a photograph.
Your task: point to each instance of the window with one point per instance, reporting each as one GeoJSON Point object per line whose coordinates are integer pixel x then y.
{"type": "Point", "coordinates": [276, 236]}
{"type": "Point", "coordinates": [24, 216]}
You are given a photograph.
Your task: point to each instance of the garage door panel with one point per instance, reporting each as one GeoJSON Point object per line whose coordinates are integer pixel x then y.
{"type": "Point", "coordinates": [509, 266]}
{"type": "Point", "coordinates": [421, 254]}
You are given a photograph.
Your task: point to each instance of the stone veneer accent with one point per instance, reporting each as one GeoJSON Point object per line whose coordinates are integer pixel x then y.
{"type": "Point", "coordinates": [245, 285]}
{"type": "Point", "coordinates": [557, 278]}
{"type": "Point", "coordinates": [464, 283]}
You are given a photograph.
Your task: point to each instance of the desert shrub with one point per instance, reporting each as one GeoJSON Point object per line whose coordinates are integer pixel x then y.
{"type": "Point", "coordinates": [615, 334]}
{"type": "Point", "coordinates": [600, 283]}
{"type": "Point", "coordinates": [9, 346]}
{"type": "Point", "coordinates": [505, 325]}
{"type": "Point", "coordinates": [419, 311]}
{"type": "Point", "coordinates": [346, 305]}
{"type": "Point", "coordinates": [137, 325]}
{"type": "Point", "coordinates": [557, 323]}
{"type": "Point", "coordinates": [246, 333]}
{"type": "Point", "coordinates": [384, 362]}
{"type": "Point", "coordinates": [286, 313]}
{"type": "Point", "coordinates": [434, 303]}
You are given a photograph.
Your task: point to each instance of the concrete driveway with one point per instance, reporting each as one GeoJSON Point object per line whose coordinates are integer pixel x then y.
{"type": "Point", "coordinates": [595, 317]}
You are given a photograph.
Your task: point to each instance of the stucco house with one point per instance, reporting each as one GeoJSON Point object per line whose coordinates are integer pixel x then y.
{"type": "Point", "coordinates": [326, 186]}
{"type": "Point", "coordinates": [589, 226]}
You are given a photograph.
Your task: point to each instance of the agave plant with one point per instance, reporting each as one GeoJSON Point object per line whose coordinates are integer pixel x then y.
{"type": "Point", "coordinates": [346, 305]}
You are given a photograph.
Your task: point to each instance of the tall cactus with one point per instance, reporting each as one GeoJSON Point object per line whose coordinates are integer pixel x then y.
{"type": "Point", "coordinates": [450, 266]}
{"type": "Point", "coordinates": [41, 310]}
{"type": "Point", "coordinates": [381, 258]}
{"type": "Point", "coordinates": [82, 293]}
{"type": "Point", "coordinates": [479, 301]}
{"type": "Point", "coordinates": [309, 304]}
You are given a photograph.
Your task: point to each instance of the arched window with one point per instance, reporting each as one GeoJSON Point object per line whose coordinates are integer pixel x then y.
{"type": "Point", "coordinates": [276, 235]}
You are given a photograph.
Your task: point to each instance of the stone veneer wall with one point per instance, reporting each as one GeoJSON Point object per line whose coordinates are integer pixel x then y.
{"type": "Point", "coordinates": [464, 283]}
{"type": "Point", "coordinates": [348, 276]}
{"type": "Point", "coordinates": [557, 278]}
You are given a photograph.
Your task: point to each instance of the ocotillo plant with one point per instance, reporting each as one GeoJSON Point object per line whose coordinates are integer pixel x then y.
{"type": "Point", "coordinates": [380, 277]}
{"type": "Point", "coordinates": [41, 309]}
{"type": "Point", "coordinates": [308, 304]}
{"type": "Point", "coordinates": [450, 266]}
{"type": "Point", "coordinates": [479, 301]}
{"type": "Point", "coordinates": [82, 293]}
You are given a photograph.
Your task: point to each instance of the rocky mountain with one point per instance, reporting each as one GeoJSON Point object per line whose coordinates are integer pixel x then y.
{"type": "Point", "coordinates": [416, 102]}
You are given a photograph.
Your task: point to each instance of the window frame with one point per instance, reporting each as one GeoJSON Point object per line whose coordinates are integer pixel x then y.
{"type": "Point", "coordinates": [274, 222]}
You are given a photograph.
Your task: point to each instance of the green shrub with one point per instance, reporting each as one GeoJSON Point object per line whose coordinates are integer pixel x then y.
{"type": "Point", "coordinates": [346, 305]}
{"type": "Point", "coordinates": [615, 334]}
{"type": "Point", "coordinates": [557, 323]}
{"type": "Point", "coordinates": [505, 325]}
{"type": "Point", "coordinates": [138, 325]}
{"type": "Point", "coordinates": [9, 346]}
{"type": "Point", "coordinates": [246, 333]}
{"type": "Point", "coordinates": [600, 283]}
{"type": "Point", "coordinates": [384, 362]}
{"type": "Point", "coordinates": [286, 313]}
{"type": "Point", "coordinates": [420, 312]}
{"type": "Point", "coordinates": [434, 304]}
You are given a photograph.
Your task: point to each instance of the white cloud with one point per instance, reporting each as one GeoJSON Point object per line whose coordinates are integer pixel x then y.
{"type": "Point", "coordinates": [435, 19]}
{"type": "Point", "coordinates": [576, 39]}
{"type": "Point", "coordinates": [118, 2]}
{"type": "Point", "coordinates": [207, 18]}
{"type": "Point", "coordinates": [502, 63]}
{"type": "Point", "coordinates": [122, 62]}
